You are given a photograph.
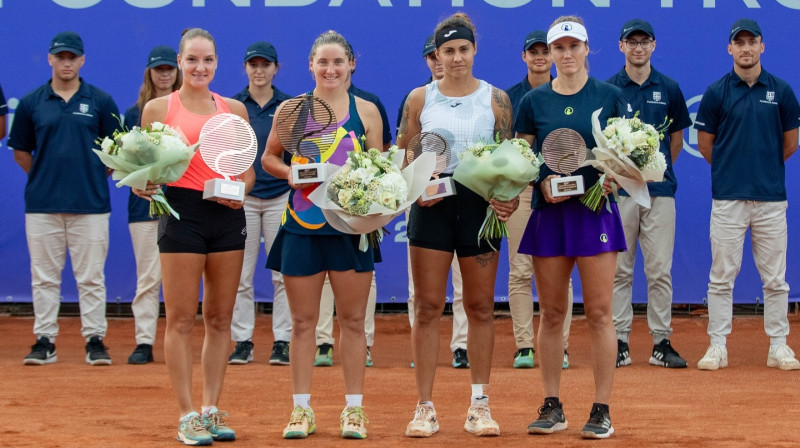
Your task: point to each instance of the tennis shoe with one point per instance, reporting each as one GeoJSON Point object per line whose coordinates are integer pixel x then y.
{"type": "Point", "coordinates": [551, 419]}
{"type": "Point", "coordinates": [301, 424]}
{"type": "Point", "coordinates": [599, 424]}
{"type": "Point", "coordinates": [424, 424]}
{"type": "Point", "coordinates": [479, 422]}
{"type": "Point", "coordinates": [782, 357]}
{"type": "Point", "coordinates": [42, 352]}
{"type": "Point", "coordinates": [192, 431]}
{"type": "Point", "coordinates": [353, 422]}
{"type": "Point", "coordinates": [716, 357]}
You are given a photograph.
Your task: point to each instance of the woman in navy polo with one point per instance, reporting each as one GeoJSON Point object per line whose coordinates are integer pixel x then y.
{"type": "Point", "coordinates": [161, 77]}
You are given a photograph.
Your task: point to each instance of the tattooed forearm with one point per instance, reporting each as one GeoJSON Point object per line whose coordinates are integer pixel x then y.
{"type": "Point", "coordinates": [503, 123]}
{"type": "Point", "coordinates": [485, 259]}
{"type": "Point", "coordinates": [403, 121]}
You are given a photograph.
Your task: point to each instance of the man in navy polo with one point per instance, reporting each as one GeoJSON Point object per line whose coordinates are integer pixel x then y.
{"type": "Point", "coordinates": [66, 197]}
{"type": "Point", "coordinates": [746, 129]}
{"type": "Point", "coordinates": [656, 98]}
{"type": "Point", "coordinates": [263, 209]}
{"type": "Point", "coordinates": [536, 56]}
{"type": "Point", "coordinates": [3, 112]}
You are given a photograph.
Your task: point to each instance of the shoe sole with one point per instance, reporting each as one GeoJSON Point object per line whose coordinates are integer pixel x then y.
{"type": "Point", "coordinates": [300, 434]}
{"type": "Point", "coordinates": [624, 362]}
{"type": "Point", "coordinates": [421, 434]}
{"type": "Point", "coordinates": [239, 362]}
{"type": "Point", "coordinates": [486, 432]}
{"type": "Point", "coordinates": [594, 435]}
{"type": "Point", "coordinates": [776, 364]}
{"type": "Point", "coordinates": [138, 362]}
{"type": "Point", "coordinates": [657, 362]}
{"type": "Point", "coordinates": [97, 362]}
{"type": "Point", "coordinates": [461, 366]}
{"type": "Point", "coordinates": [702, 366]}
{"type": "Point", "coordinates": [278, 362]}
{"type": "Point", "coordinates": [323, 363]}
{"type": "Point", "coordinates": [555, 428]}
{"type": "Point", "coordinates": [224, 437]}
{"type": "Point", "coordinates": [39, 362]}
{"type": "Point", "coordinates": [353, 435]}
{"type": "Point", "coordinates": [194, 442]}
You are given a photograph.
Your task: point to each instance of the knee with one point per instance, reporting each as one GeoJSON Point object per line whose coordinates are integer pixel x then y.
{"type": "Point", "coordinates": [217, 321]}
{"type": "Point", "coordinates": [599, 318]}
{"type": "Point", "coordinates": [180, 324]}
{"type": "Point", "coordinates": [352, 323]}
{"type": "Point", "coordinates": [552, 316]}
{"type": "Point", "coordinates": [304, 323]}
{"type": "Point", "coordinates": [479, 312]}
{"type": "Point", "coordinates": [425, 311]}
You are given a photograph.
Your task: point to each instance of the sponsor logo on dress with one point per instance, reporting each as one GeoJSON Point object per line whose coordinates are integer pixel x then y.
{"type": "Point", "coordinates": [656, 96]}
{"type": "Point", "coordinates": [604, 237]}
{"type": "Point", "coordinates": [569, 111]}
{"type": "Point", "coordinates": [630, 109]}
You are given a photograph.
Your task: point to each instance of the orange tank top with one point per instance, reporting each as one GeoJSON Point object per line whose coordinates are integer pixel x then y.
{"type": "Point", "coordinates": [190, 124]}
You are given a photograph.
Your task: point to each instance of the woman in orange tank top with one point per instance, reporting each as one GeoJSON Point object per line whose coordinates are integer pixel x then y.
{"type": "Point", "coordinates": [207, 242]}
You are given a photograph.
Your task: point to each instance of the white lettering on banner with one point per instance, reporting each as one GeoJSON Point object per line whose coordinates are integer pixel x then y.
{"type": "Point", "coordinates": [384, 3]}
{"type": "Point", "coordinates": [793, 4]}
{"type": "Point", "coordinates": [748, 3]}
{"type": "Point", "coordinates": [692, 131]}
{"type": "Point", "coordinates": [202, 3]}
{"type": "Point", "coordinates": [288, 2]}
{"type": "Point", "coordinates": [598, 3]}
{"type": "Point", "coordinates": [149, 4]}
{"type": "Point", "coordinates": [76, 4]}
{"type": "Point", "coordinates": [507, 3]}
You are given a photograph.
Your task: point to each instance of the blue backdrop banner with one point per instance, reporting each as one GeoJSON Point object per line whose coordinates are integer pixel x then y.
{"type": "Point", "coordinates": [387, 36]}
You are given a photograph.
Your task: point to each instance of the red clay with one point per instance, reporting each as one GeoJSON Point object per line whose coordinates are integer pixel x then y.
{"type": "Point", "coordinates": [71, 404]}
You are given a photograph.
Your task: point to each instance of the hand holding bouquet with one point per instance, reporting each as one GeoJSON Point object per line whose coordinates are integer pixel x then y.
{"type": "Point", "coordinates": [157, 154]}
{"type": "Point", "coordinates": [370, 190]}
{"type": "Point", "coordinates": [628, 150]}
{"type": "Point", "coordinates": [497, 171]}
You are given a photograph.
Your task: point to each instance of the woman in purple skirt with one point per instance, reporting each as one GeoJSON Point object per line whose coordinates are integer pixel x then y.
{"type": "Point", "coordinates": [562, 232]}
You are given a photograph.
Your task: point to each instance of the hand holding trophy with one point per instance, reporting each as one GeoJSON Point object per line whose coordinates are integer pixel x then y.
{"type": "Point", "coordinates": [306, 127]}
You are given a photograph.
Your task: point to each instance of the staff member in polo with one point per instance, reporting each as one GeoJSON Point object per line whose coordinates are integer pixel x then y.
{"type": "Point", "coordinates": [746, 129]}
{"type": "Point", "coordinates": [656, 98]}
{"type": "Point", "coordinates": [67, 202]}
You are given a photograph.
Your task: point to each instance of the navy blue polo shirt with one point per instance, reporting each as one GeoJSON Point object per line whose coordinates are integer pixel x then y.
{"type": "Point", "coordinates": [3, 105]}
{"type": "Point", "coordinates": [543, 110]}
{"type": "Point", "coordinates": [748, 124]}
{"type": "Point", "coordinates": [403, 104]}
{"type": "Point", "coordinates": [266, 186]}
{"type": "Point", "coordinates": [659, 97]}
{"type": "Point", "coordinates": [66, 176]}
{"type": "Point", "coordinates": [517, 91]}
{"type": "Point", "coordinates": [372, 98]}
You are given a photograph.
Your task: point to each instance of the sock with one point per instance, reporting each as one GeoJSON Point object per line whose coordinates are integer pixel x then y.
{"type": "Point", "coordinates": [553, 400]}
{"type": "Point", "coordinates": [427, 403]}
{"type": "Point", "coordinates": [479, 397]}
{"type": "Point", "coordinates": [353, 400]}
{"type": "Point", "coordinates": [302, 400]}
{"type": "Point", "coordinates": [603, 406]}
{"type": "Point", "coordinates": [207, 410]}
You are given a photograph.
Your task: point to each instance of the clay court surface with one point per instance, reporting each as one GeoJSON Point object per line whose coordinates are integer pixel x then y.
{"type": "Point", "coordinates": [71, 404]}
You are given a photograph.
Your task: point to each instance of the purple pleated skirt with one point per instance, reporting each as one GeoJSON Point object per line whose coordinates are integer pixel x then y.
{"type": "Point", "coordinates": [570, 229]}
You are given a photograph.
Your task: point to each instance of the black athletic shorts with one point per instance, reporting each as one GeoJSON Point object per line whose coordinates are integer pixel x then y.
{"type": "Point", "coordinates": [451, 225]}
{"type": "Point", "coordinates": [204, 226]}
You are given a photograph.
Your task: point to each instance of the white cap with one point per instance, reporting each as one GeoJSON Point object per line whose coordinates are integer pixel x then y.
{"type": "Point", "coordinates": [567, 29]}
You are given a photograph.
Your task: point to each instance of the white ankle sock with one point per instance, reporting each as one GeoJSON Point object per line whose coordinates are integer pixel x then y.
{"type": "Point", "coordinates": [302, 400]}
{"type": "Point", "coordinates": [354, 400]}
{"type": "Point", "coordinates": [479, 396]}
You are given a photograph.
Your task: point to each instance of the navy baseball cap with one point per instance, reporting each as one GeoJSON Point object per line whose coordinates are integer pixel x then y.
{"type": "Point", "coordinates": [634, 26]}
{"type": "Point", "coordinates": [534, 37]}
{"type": "Point", "coordinates": [162, 55]}
{"type": "Point", "coordinates": [429, 47]}
{"type": "Point", "coordinates": [67, 41]}
{"type": "Point", "coordinates": [261, 50]}
{"type": "Point", "coordinates": [744, 25]}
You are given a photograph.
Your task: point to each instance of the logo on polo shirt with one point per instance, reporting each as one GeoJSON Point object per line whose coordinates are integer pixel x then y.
{"type": "Point", "coordinates": [83, 109]}
{"type": "Point", "coordinates": [770, 98]}
{"type": "Point", "coordinates": [656, 96]}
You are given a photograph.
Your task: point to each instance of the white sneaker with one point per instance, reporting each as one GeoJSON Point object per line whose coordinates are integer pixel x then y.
{"type": "Point", "coordinates": [716, 357]}
{"type": "Point", "coordinates": [782, 357]}
{"type": "Point", "coordinates": [424, 424]}
{"type": "Point", "coordinates": [479, 422]}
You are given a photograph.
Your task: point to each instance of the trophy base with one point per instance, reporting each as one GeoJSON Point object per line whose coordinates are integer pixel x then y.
{"type": "Point", "coordinates": [439, 188]}
{"type": "Point", "coordinates": [566, 186]}
{"type": "Point", "coordinates": [215, 189]}
{"type": "Point", "coordinates": [309, 173]}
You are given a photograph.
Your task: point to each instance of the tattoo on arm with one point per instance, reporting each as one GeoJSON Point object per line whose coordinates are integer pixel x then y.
{"type": "Point", "coordinates": [404, 121]}
{"type": "Point", "coordinates": [503, 120]}
{"type": "Point", "coordinates": [485, 259]}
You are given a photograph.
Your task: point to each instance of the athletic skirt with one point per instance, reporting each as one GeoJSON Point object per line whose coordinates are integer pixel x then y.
{"type": "Point", "coordinates": [303, 255]}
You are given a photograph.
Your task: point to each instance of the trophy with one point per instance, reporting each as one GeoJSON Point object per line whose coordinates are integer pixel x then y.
{"type": "Point", "coordinates": [306, 127]}
{"type": "Point", "coordinates": [564, 151]}
{"type": "Point", "coordinates": [436, 144]}
{"type": "Point", "coordinates": [228, 145]}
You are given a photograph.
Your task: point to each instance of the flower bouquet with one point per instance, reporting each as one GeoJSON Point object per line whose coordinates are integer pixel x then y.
{"type": "Point", "coordinates": [497, 171]}
{"type": "Point", "coordinates": [628, 151]}
{"type": "Point", "coordinates": [157, 153]}
{"type": "Point", "coordinates": [370, 190]}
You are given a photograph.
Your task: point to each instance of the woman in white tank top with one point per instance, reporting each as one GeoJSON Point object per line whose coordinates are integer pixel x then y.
{"type": "Point", "coordinates": [464, 110]}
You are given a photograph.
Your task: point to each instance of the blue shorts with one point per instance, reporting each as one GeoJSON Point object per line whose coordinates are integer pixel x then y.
{"type": "Point", "coordinates": [205, 226]}
{"type": "Point", "coordinates": [303, 254]}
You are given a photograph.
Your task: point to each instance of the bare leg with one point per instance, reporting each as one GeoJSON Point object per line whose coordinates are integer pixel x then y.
{"type": "Point", "coordinates": [351, 290]}
{"type": "Point", "coordinates": [303, 293]}
{"type": "Point", "coordinates": [478, 274]}
{"type": "Point", "coordinates": [552, 282]}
